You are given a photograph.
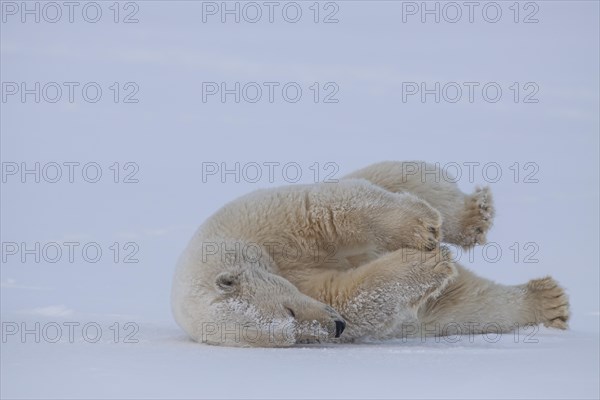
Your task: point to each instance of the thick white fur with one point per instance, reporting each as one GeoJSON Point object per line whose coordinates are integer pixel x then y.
{"type": "Point", "coordinates": [281, 266]}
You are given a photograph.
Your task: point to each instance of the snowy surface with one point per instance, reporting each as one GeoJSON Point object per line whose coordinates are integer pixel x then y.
{"type": "Point", "coordinates": [164, 364]}
{"type": "Point", "coordinates": [170, 132]}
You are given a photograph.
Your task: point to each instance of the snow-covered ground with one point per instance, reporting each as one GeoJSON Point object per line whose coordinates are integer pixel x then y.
{"type": "Point", "coordinates": [164, 364]}
{"type": "Point", "coordinates": [117, 338]}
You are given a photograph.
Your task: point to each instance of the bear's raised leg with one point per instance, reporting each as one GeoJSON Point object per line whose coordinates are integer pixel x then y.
{"type": "Point", "coordinates": [466, 218]}
{"type": "Point", "coordinates": [397, 220]}
{"type": "Point", "coordinates": [344, 225]}
{"type": "Point", "coordinates": [471, 304]}
{"type": "Point", "coordinates": [374, 298]}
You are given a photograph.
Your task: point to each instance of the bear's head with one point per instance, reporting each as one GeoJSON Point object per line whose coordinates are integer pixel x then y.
{"type": "Point", "coordinates": [251, 307]}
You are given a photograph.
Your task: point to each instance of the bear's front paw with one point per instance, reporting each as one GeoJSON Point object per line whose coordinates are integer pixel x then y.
{"type": "Point", "coordinates": [549, 302]}
{"type": "Point", "coordinates": [434, 271]}
{"type": "Point", "coordinates": [427, 231]}
{"type": "Point", "coordinates": [443, 267]}
{"type": "Point", "coordinates": [477, 218]}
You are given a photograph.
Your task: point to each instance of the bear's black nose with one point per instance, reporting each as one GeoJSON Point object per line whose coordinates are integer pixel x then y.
{"type": "Point", "coordinates": [339, 327]}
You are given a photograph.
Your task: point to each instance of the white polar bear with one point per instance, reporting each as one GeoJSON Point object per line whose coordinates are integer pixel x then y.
{"type": "Point", "coordinates": [357, 259]}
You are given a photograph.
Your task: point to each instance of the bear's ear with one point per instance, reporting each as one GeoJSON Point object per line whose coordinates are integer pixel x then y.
{"type": "Point", "coordinates": [227, 282]}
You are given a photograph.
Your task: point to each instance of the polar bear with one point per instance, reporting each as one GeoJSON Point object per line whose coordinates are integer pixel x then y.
{"type": "Point", "coordinates": [359, 259]}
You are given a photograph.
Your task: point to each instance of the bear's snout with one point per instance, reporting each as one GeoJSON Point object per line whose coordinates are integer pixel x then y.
{"type": "Point", "coordinates": [340, 325]}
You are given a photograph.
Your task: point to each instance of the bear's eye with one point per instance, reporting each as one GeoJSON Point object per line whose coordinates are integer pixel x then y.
{"type": "Point", "coordinates": [291, 312]}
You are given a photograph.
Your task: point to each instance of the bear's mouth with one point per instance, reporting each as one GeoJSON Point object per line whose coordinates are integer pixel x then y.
{"type": "Point", "coordinates": [340, 325]}
{"type": "Point", "coordinates": [291, 312]}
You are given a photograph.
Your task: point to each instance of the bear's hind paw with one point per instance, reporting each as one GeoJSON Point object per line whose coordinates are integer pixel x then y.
{"type": "Point", "coordinates": [549, 301]}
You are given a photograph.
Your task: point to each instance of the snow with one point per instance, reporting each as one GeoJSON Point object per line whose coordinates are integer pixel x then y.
{"type": "Point", "coordinates": [165, 364]}
{"type": "Point", "coordinates": [171, 132]}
